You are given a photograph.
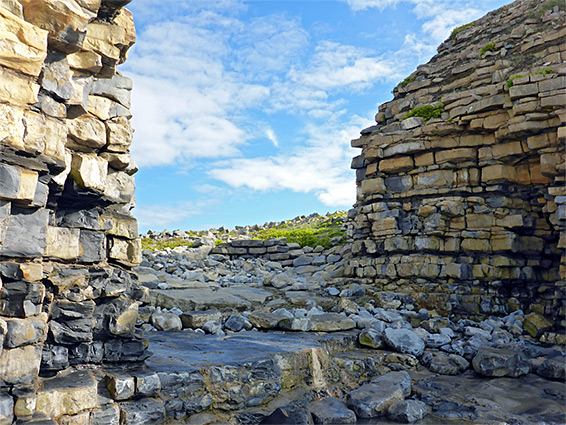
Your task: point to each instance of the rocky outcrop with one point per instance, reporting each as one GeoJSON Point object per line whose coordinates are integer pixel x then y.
{"type": "Point", "coordinates": [461, 195]}
{"type": "Point", "coordinates": [67, 238]}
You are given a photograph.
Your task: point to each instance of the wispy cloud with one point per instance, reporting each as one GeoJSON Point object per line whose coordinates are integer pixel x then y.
{"type": "Point", "coordinates": [270, 134]}
{"type": "Point", "coordinates": [168, 216]}
{"type": "Point", "coordinates": [321, 166]}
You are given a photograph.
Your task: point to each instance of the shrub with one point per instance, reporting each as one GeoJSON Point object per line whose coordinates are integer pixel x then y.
{"type": "Point", "coordinates": [546, 71]}
{"type": "Point", "coordinates": [459, 29]}
{"type": "Point", "coordinates": [489, 47]}
{"type": "Point", "coordinates": [510, 80]}
{"type": "Point", "coordinates": [406, 81]}
{"type": "Point", "coordinates": [426, 111]}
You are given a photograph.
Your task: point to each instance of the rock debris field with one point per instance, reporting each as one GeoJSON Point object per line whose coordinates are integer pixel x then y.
{"type": "Point", "coordinates": [247, 340]}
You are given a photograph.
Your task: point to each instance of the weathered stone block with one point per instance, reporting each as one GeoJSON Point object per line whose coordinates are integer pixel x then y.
{"type": "Point", "coordinates": [455, 156]}
{"type": "Point", "coordinates": [12, 127]}
{"type": "Point", "coordinates": [6, 409]}
{"type": "Point", "coordinates": [25, 331]}
{"type": "Point", "coordinates": [67, 394]}
{"type": "Point", "coordinates": [23, 46]}
{"type": "Point", "coordinates": [64, 20]}
{"type": "Point", "coordinates": [120, 186]}
{"type": "Point", "coordinates": [119, 134]}
{"type": "Point", "coordinates": [56, 76]}
{"type": "Point", "coordinates": [17, 89]}
{"type": "Point", "coordinates": [26, 234]}
{"type": "Point", "coordinates": [89, 171]}
{"type": "Point", "coordinates": [497, 173]}
{"type": "Point", "coordinates": [20, 365]}
{"type": "Point", "coordinates": [87, 132]}
{"type": "Point", "coordinates": [87, 61]}
{"type": "Point", "coordinates": [370, 186]}
{"type": "Point", "coordinates": [127, 252]}
{"type": "Point", "coordinates": [63, 243]}
{"type": "Point", "coordinates": [120, 225]}
{"type": "Point", "coordinates": [92, 246]}
{"type": "Point", "coordinates": [396, 165]}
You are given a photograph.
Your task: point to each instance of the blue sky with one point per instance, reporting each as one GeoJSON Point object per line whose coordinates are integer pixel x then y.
{"type": "Point", "coordinates": [244, 110]}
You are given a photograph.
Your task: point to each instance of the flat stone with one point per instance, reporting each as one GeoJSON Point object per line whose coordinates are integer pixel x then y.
{"type": "Point", "coordinates": [392, 379]}
{"type": "Point", "coordinates": [295, 324]}
{"type": "Point", "coordinates": [331, 322]}
{"type": "Point", "coordinates": [331, 410]}
{"type": "Point", "coordinates": [404, 341]}
{"type": "Point", "coordinates": [500, 362]}
{"type": "Point", "coordinates": [448, 364]}
{"type": "Point", "coordinates": [536, 325]}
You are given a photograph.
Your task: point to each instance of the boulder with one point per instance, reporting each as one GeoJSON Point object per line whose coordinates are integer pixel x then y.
{"type": "Point", "coordinates": [167, 322]}
{"type": "Point", "coordinates": [331, 410]}
{"type": "Point", "coordinates": [331, 322]}
{"type": "Point", "coordinates": [404, 341]}
{"type": "Point", "coordinates": [373, 399]}
{"type": "Point", "coordinates": [370, 338]}
{"type": "Point", "coordinates": [407, 411]}
{"type": "Point", "coordinates": [448, 364]}
{"type": "Point", "coordinates": [500, 362]}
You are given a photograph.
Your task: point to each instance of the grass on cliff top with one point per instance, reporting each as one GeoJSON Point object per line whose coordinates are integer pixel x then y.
{"type": "Point", "coordinates": [459, 29]}
{"type": "Point", "coordinates": [321, 231]}
{"type": "Point", "coordinates": [155, 245]}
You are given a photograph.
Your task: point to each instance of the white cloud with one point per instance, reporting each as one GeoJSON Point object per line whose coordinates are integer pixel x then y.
{"type": "Point", "coordinates": [322, 167]}
{"type": "Point", "coordinates": [270, 134]}
{"type": "Point", "coordinates": [268, 44]}
{"type": "Point", "coordinates": [357, 5]}
{"type": "Point", "coordinates": [167, 216]}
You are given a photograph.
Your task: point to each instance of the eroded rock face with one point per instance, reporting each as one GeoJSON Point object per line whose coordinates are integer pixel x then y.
{"type": "Point", "coordinates": [464, 210]}
{"type": "Point", "coordinates": [64, 299]}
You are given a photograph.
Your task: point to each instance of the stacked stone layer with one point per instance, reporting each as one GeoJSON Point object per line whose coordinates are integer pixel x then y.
{"type": "Point", "coordinates": [67, 236]}
{"type": "Point", "coordinates": [467, 211]}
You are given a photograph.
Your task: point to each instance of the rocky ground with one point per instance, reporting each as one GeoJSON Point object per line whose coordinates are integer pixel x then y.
{"type": "Point", "coordinates": [252, 340]}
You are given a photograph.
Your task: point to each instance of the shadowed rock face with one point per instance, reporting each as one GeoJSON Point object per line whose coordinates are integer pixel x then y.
{"type": "Point", "coordinates": [66, 234]}
{"type": "Point", "coordinates": [464, 210]}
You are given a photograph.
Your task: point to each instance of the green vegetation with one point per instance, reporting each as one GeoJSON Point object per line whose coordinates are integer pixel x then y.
{"type": "Point", "coordinates": [510, 80]}
{"type": "Point", "coordinates": [541, 72]}
{"type": "Point", "coordinates": [406, 81]}
{"type": "Point", "coordinates": [459, 29]}
{"type": "Point", "coordinates": [321, 231]}
{"type": "Point", "coordinates": [489, 47]}
{"type": "Point", "coordinates": [546, 71]}
{"type": "Point", "coordinates": [426, 111]}
{"type": "Point", "coordinates": [155, 245]}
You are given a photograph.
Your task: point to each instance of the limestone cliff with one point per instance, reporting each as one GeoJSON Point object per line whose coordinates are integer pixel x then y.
{"type": "Point", "coordinates": [461, 199]}
{"type": "Point", "coordinates": [66, 189]}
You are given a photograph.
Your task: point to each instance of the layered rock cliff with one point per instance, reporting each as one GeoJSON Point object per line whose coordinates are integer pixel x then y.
{"type": "Point", "coordinates": [67, 237]}
{"type": "Point", "coordinates": [461, 199]}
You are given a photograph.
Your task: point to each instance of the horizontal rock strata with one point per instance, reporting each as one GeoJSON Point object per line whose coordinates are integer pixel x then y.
{"type": "Point", "coordinates": [461, 195]}
{"type": "Point", "coordinates": [67, 237]}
